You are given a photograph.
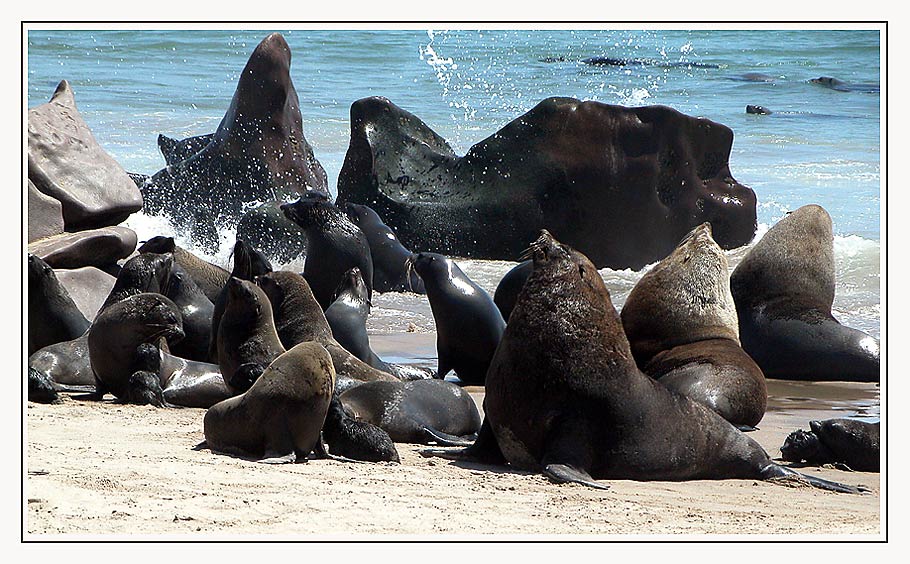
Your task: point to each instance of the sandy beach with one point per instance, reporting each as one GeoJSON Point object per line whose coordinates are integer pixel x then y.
{"type": "Point", "coordinates": [107, 471]}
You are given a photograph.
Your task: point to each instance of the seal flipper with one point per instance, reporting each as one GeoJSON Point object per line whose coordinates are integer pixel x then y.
{"type": "Point", "coordinates": [485, 449]}
{"type": "Point", "coordinates": [776, 472]}
{"type": "Point", "coordinates": [567, 455]}
{"type": "Point", "coordinates": [445, 439]}
{"type": "Point", "coordinates": [563, 473]}
{"type": "Point", "coordinates": [245, 376]}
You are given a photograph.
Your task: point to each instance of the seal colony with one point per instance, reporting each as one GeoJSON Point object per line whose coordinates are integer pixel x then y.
{"type": "Point", "coordinates": [282, 362]}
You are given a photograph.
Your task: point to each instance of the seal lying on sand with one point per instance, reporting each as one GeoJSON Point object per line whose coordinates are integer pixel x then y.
{"type": "Point", "coordinates": [784, 290]}
{"type": "Point", "coordinates": [353, 439]}
{"type": "Point", "coordinates": [299, 318]}
{"type": "Point", "coordinates": [681, 323]}
{"type": "Point", "coordinates": [841, 441]}
{"type": "Point", "coordinates": [335, 245]}
{"type": "Point", "coordinates": [468, 323]}
{"type": "Point", "coordinates": [422, 411]}
{"type": "Point", "coordinates": [280, 417]}
{"type": "Point", "coordinates": [347, 317]}
{"type": "Point", "coordinates": [564, 396]}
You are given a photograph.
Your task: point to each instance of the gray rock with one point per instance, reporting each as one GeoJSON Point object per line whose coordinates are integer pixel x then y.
{"type": "Point", "coordinates": [87, 286]}
{"type": "Point", "coordinates": [45, 214]}
{"type": "Point", "coordinates": [95, 247]}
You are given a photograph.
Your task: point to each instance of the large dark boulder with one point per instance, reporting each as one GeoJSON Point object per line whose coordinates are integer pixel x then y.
{"type": "Point", "coordinates": [622, 185]}
{"type": "Point", "coordinates": [66, 163]}
{"type": "Point", "coordinates": [257, 154]}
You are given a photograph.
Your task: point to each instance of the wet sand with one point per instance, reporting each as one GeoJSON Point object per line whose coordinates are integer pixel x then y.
{"type": "Point", "coordinates": [108, 471]}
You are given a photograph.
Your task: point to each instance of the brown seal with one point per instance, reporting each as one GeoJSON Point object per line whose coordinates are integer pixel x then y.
{"type": "Point", "coordinates": [681, 323]}
{"type": "Point", "coordinates": [564, 396]}
{"type": "Point", "coordinates": [280, 417]}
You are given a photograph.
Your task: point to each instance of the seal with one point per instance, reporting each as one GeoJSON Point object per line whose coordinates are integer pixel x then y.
{"type": "Point", "coordinates": [389, 256]}
{"type": "Point", "coordinates": [784, 290]}
{"type": "Point", "coordinates": [197, 312]}
{"type": "Point", "coordinates": [347, 317]}
{"type": "Point", "coordinates": [681, 323]}
{"type": "Point", "coordinates": [468, 323]}
{"type": "Point", "coordinates": [248, 264]}
{"type": "Point", "coordinates": [209, 277]}
{"type": "Point", "coordinates": [299, 318]}
{"type": "Point", "coordinates": [335, 245]}
{"type": "Point", "coordinates": [53, 316]}
{"type": "Point", "coordinates": [118, 331]}
{"type": "Point", "coordinates": [849, 442]}
{"type": "Point", "coordinates": [564, 396]}
{"type": "Point", "coordinates": [280, 417]}
{"type": "Point", "coordinates": [357, 440]}
{"type": "Point", "coordinates": [758, 110]}
{"type": "Point", "coordinates": [247, 340]}
{"type": "Point", "coordinates": [510, 286]}
{"type": "Point", "coordinates": [421, 411]}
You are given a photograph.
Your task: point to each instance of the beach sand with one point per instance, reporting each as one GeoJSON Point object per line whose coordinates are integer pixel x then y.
{"type": "Point", "coordinates": [108, 471]}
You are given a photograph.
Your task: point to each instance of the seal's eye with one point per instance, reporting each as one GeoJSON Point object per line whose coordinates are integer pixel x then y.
{"type": "Point", "coordinates": [581, 271]}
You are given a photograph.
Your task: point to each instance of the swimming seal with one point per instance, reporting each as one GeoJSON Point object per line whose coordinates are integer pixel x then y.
{"type": "Point", "coordinates": [388, 254]}
{"type": "Point", "coordinates": [784, 289]}
{"type": "Point", "coordinates": [681, 323]}
{"type": "Point", "coordinates": [347, 317]}
{"type": "Point", "coordinates": [564, 396]}
{"type": "Point", "coordinates": [421, 411]}
{"type": "Point", "coordinates": [299, 318]}
{"type": "Point", "coordinates": [850, 442]}
{"type": "Point", "coordinates": [335, 245]}
{"type": "Point", "coordinates": [280, 417]}
{"type": "Point", "coordinates": [53, 316]}
{"type": "Point", "coordinates": [247, 341]}
{"type": "Point", "coordinates": [468, 323]}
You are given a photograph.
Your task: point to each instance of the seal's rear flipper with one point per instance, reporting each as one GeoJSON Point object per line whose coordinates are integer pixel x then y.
{"type": "Point", "coordinates": [562, 474]}
{"type": "Point", "coordinates": [445, 439]}
{"type": "Point", "coordinates": [746, 428]}
{"type": "Point", "coordinates": [280, 459]}
{"type": "Point", "coordinates": [777, 473]}
{"type": "Point", "coordinates": [485, 449]}
{"type": "Point", "coordinates": [201, 446]}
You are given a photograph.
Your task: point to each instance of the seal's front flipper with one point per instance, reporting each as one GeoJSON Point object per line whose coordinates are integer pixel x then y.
{"type": "Point", "coordinates": [201, 446]}
{"type": "Point", "coordinates": [562, 474]}
{"type": "Point", "coordinates": [778, 473]}
{"type": "Point", "coordinates": [445, 439]}
{"type": "Point", "coordinates": [746, 428]}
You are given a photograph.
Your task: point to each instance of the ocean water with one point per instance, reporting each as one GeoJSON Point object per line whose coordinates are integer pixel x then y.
{"type": "Point", "coordinates": [819, 145]}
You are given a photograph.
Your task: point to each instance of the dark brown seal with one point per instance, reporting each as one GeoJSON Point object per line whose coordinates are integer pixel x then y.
{"type": "Point", "coordinates": [564, 396]}
{"type": "Point", "coordinates": [681, 323]}
{"type": "Point", "coordinates": [850, 442]}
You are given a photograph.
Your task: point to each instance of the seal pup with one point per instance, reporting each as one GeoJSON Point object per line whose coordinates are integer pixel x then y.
{"type": "Point", "coordinates": [353, 439]}
{"type": "Point", "coordinates": [468, 323]}
{"type": "Point", "coordinates": [681, 323]}
{"type": "Point", "coordinates": [784, 290]}
{"type": "Point", "coordinates": [53, 316]}
{"type": "Point", "coordinates": [209, 277]}
{"type": "Point", "coordinates": [247, 340]}
{"type": "Point", "coordinates": [118, 331]}
{"type": "Point", "coordinates": [334, 245]}
{"type": "Point", "coordinates": [248, 264]}
{"type": "Point", "coordinates": [564, 396]}
{"type": "Point", "coordinates": [421, 411]}
{"type": "Point", "coordinates": [389, 255]}
{"type": "Point", "coordinates": [510, 286]}
{"type": "Point", "coordinates": [347, 317]}
{"type": "Point", "coordinates": [848, 442]}
{"type": "Point", "coordinates": [299, 318]}
{"type": "Point", "coordinates": [280, 417]}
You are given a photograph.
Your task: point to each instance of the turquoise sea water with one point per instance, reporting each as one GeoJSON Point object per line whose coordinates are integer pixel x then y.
{"type": "Point", "coordinates": [819, 146]}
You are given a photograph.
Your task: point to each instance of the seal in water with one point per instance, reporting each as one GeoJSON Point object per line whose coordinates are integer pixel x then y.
{"type": "Point", "coordinates": [564, 396]}
{"type": "Point", "coordinates": [299, 318]}
{"type": "Point", "coordinates": [335, 245]}
{"type": "Point", "coordinates": [280, 417]}
{"type": "Point", "coordinates": [849, 442]}
{"type": "Point", "coordinates": [422, 411]}
{"type": "Point", "coordinates": [53, 316]}
{"type": "Point", "coordinates": [758, 110]}
{"type": "Point", "coordinates": [247, 339]}
{"type": "Point", "coordinates": [347, 317]}
{"type": "Point", "coordinates": [681, 323]}
{"type": "Point", "coordinates": [209, 277]}
{"type": "Point", "coordinates": [468, 323]}
{"type": "Point", "coordinates": [390, 273]}
{"type": "Point", "coordinates": [248, 264]}
{"type": "Point", "coordinates": [510, 286]}
{"type": "Point", "coordinates": [784, 290]}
